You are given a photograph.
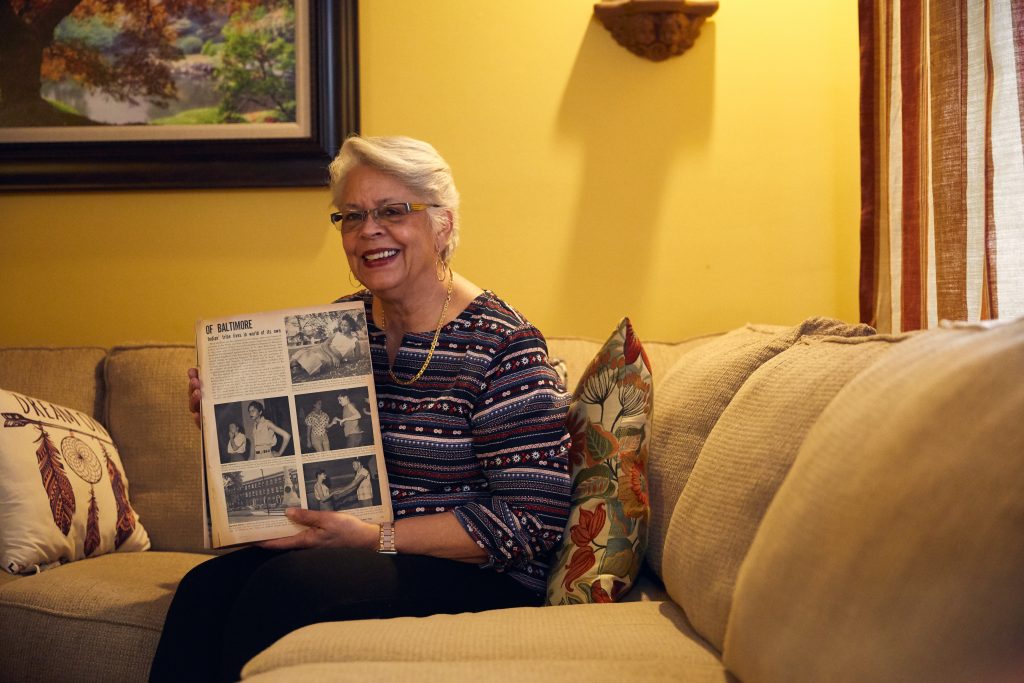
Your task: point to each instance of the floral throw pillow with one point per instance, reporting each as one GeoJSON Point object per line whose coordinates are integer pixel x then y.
{"type": "Point", "coordinates": [610, 421]}
{"type": "Point", "coordinates": [63, 490]}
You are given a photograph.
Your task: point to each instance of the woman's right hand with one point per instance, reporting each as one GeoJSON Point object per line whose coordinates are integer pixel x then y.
{"type": "Point", "coordinates": [326, 529]}
{"type": "Point", "coordinates": [195, 395]}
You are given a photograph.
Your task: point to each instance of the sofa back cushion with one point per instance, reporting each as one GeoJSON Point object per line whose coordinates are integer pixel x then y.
{"type": "Point", "coordinates": [148, 418]}
{"type": "Point", "coordinates": [894, 550]}
{"type": "Point", "coordinates": [71, 377]}
{"type": "Point", "coordinates": [695, 393]}
{"type": "Point", "coordinates": [744, 460]}
{"type": "Point", "coordinates": [577, 354]}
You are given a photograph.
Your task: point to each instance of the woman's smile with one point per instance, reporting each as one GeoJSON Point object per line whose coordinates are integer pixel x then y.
{"type": "Point", "coordinates": [376, 258]}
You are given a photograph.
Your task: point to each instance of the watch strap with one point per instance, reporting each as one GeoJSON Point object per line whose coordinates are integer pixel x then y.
{"type": "Point", "coordinates": [387, 539]}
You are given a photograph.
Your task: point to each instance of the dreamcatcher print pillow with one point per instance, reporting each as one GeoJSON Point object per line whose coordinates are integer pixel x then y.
{"type": "Point", "coordinates": [63, 490]}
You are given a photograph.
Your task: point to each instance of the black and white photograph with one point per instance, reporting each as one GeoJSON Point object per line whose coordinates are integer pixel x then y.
{"type": "Point", "coordinates": [333, 420]}
{"type": "Point", "coordinates": [342, 484]}
{"type": "Point", "coordinates": [327, 345]}
{"type": "Point", "coordinates": [260, 492]}
{"type": "Point", "coordinates": [254, 430]}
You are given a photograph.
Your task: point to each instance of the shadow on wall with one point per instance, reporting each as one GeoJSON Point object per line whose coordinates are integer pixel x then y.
{"type": "Point", "coordinates": [634, 119]}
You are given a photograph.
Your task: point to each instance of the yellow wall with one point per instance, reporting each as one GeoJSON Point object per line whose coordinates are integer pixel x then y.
{"type": "Point", "coordinates": [694, 195]}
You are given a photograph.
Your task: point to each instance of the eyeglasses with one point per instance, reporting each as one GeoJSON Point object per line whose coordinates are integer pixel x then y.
{"type": "Point", "coordinates": [389, 214]}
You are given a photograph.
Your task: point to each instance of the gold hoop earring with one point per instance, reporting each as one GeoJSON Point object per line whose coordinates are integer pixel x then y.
{"type": "Point", "coordinates": [440, 269]}
{"type": "Point", "coordinates": [355, 284]}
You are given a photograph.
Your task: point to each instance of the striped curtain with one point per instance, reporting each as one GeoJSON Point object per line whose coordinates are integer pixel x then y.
{"type": "Point", "coordinates": [942, 163]}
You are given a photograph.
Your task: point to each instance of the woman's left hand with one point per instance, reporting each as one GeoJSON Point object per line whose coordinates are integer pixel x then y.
{"type": "Point", "coordinates": [326, 530]}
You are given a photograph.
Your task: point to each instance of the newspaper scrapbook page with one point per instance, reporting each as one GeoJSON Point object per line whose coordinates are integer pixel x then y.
{"type": "Point", "coordinates": [289, 417]}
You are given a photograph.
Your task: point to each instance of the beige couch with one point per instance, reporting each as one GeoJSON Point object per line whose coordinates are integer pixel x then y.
{"type": "Point", "coordinates": [828, 505]}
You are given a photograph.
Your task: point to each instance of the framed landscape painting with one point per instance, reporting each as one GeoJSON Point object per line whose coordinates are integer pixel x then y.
{"type": "Point", "coordinates": [98, 94]}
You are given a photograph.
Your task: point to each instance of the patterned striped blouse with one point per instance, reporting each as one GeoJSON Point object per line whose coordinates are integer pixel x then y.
{"type": "Point", "coordinates": [481, 433]}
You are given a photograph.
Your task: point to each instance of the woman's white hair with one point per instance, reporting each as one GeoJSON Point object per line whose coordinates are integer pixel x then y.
{"type": "Point", "coordinates": [414, 163]}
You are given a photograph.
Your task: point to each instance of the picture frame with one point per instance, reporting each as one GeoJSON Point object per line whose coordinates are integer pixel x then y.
{"type": "Point", "coordinates": [187, 162]}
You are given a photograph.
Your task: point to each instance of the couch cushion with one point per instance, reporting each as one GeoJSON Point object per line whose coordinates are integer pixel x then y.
{"type": "Point", "coordinates": [894, 550]}
{"type": "Point", "coordinates": [742, 464]}
{"type": "Point", "coordinates": [71, 377]}
{"type": "Point", "coordinates": [574, 353]}
{"type": "Point", "coordinates": [94, 620]}
{"type": "Point", "coordinates": [667, 669]}
{"type": "Point", "coordinates": [563, 638]}
{"type": "Point", "coordinates": [147, 414]}
{"type": "Point", "coordinates": [577, 353]}
{"type": "Point", "coordinates": [692, 396]}
{"type": "Point", "coordinates": [664, 355]}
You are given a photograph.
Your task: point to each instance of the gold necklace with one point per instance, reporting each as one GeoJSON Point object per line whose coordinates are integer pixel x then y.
{"type": "Point", "coordinates": [433, 343]}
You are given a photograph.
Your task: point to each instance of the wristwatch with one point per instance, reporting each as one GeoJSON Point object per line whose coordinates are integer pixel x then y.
{"type": "Point", "coordinates": [387, 539]}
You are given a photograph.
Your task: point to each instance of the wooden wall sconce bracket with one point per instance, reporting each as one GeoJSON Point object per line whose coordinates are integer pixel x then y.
{"type": "Point", "coordinates": [655, 29]}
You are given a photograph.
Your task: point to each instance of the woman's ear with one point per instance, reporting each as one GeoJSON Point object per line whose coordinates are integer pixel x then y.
{"type": "Point", "coordinates": [444, 232]}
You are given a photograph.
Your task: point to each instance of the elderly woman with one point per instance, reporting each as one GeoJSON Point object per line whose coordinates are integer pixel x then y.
{"type": "Point", "coordinates": [479, 506]}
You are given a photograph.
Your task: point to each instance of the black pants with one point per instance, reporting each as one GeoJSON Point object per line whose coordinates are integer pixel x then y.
{"type": "Point", "coordinates": [231, 607]}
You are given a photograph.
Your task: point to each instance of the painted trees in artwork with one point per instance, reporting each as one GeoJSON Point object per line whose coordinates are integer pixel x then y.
{"type": "Point", "coordinates": [258, 64]}
{"type": "Point", "coordinates": [125, 49]}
